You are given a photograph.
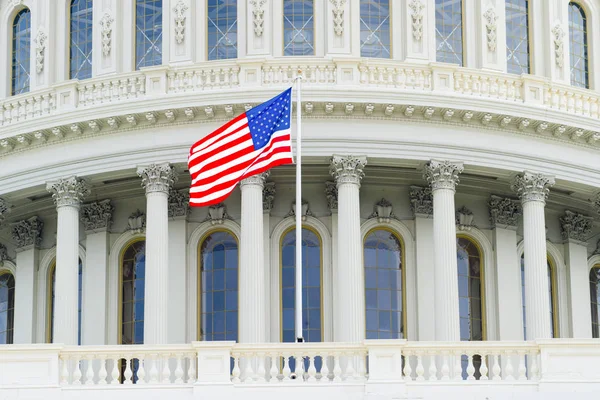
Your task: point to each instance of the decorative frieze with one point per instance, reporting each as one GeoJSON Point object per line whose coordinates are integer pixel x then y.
{"type": "Point", "coordinates": [179, 10]}
{"type": "Point", "coordinates": [305, 210]}
{"type": "Point", "coordinates": [217, 214]}
{"type": "Point", "coordinates": [532, 186]}
{"type": "Point", "coordinates": [268, 196]}
{"type": "Point", "coordinates": [157, 177]}
{"type": "Point", "coordinates": [258, 16]}
{"type": "Point", "coordinates": [347, 169]}
{"type": "Point", "coordinates": [442, 174]}
{"type": "Point", "coordinates": [421, 201]}
{"type": "Point", "coordinates": [504, 212]}
{"type": "Point", "coordinates": [136, 222]}
{"type": "Point", "coordinates": [97, 215]}
{"type": "Point", "coordinates": [465, 219]}
{"type": "Point", "coordinates": [106, 23]}
{"type": "Point", "coordinates": [383, 211]}
{"type": "Point", "coordinates": [27, 232]}
{"type": "Point", "coordinates": [3, 253]}
{"type": "Point", "coordinates": [576, 226]}
{"type": "Point", "coordinates": [338, 16]}
{"type": "Point", "coordinates": [490, 27]}
{"type": "Point", "coordinates": [331, 193]}
{"type": "Point", "coordinates": [40, 49]}
{"type": "Point", "coordinates": [416, 7]}
{"type": "Point", "coordinates": [179, 203]}
{"type": "Point", "coordinates": [558, 34]}
{"type": "Point", "coordinates": [68, 192]}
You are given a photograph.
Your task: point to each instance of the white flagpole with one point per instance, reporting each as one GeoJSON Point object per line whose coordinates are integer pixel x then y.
{"type": "Point", "coordinates": [299, 338]}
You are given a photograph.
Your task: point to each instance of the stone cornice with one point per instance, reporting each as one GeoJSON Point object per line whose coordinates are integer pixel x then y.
{"type": "Point", "coordinates": [68, 192]}
{"type": "Point", "coordinates": [532, 186]}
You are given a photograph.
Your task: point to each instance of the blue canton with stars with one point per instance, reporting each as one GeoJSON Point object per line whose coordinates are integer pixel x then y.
{"type": "Point", "coordinates": [269, 117]}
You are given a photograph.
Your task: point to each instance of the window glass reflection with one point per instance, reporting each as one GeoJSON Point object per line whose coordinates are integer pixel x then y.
{"type": "Point", "coordinates": [470, 300]}
{"type": "Point", "coordinates": [375, 40]}
{"type": "Point", "coordinates": [517, 36]}
{"type": "Point", "coordinates": [132, 306]}
{"type": "Point", "coordinates": [7, 307]}
{"type": "Point", "coordinates": [298, 28]}
{"type": "Point", "coordinates": [550, 297]}
{"type": "Point", "coordinates": [21, 49]}
{"type": "Point", "coordinates": [148, 33]}
{"type": "Point", "coordinates": [448, 31]}
{"type": "Point", "coordinates": [578, 46]}
{"type": "Point", "coordinates": [222, 29]}
{"type": "Point", "coordinates": [81, 39]}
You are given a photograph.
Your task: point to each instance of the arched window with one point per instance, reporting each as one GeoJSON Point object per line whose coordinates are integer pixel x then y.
{"type": "Point", "coordinates": [51, 292]}
{"type": "Point", "coordinates": [21, 52]}
{"type": "Point", "coordinates": [578, 46]}
{"type": "Point", "coordinates": [551, 297]}
{"type": "Point", "coordinates": [470, 289]}
{"type": "Point", "coordinates": [448, 31]}
{"type": "Point", "coordinates": [222, 29]}
{"type": "Point", "coordinates": [81, 39]}
{"type": "Point", "coordinates": [298, 28]}
{"type": "Point", "coordinates": [312, 315]}
{"type": "Point", "coordinates": [595, 297]}
{"type": "Point", "coordinates": [375, 32]}
{"type": "Point", "coordinates": [148, 33]}
{"type": "Point", "coordinates": [517, 36]}
{"type": "Point", "coordinates": [7, 307]}
{"type": "Point", "coordinates": [384, 285]}
{"type": "Point", "coordinates": [219, 287]}
{"type": "Point", "coordinates": [133, 272]}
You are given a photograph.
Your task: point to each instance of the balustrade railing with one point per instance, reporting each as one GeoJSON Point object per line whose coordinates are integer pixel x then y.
{"type": "Point", "coordinates": [205, 78]}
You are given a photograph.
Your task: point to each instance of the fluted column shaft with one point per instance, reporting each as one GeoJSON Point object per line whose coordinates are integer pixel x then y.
{"type": "Point", "coordinates": [253, 323]}
{"type": "Point", "coordinates": [156, 179]}
{"type": "Point", "coordinates": [348, 172]}
{"type": "Point", "coordinates": [533, 190]}
{"type": "Point", "coordinates": [443, 178]}
{"type": "Point", "coordinates": [68, 194]}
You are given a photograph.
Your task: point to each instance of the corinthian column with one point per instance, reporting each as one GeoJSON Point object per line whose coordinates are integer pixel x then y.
{"type": "Point", "coordinates": [533, 189]}
{"type": "Point", "coordinates": [443, 178]}
{"type": "Point", "coordinates": [157, 180]}
{"type": "Point", "coordinates": [253, 323]}
{"type": "Point", "coordinates": [348, 172]}
{"type": "Point", "coordinates": [67, 194]}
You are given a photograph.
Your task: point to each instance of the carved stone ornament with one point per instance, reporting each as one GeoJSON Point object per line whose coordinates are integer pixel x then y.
{"type": "Point", "coordinates": [4, 209]}
{"type": "Point", "coordinates": [575, 226]}
{"type": "Point", "coordinates": [504, 212]}
{"type": "Point", "coordinates": [217, 214]}
{"type": "Point", "coordinates": [106, 31]}
{"type": "Point", "coordinates": [258, 16]}
{"type": "Point", "coordinates": [347, 169]}
{"type": "Point", "coordinates": [40, 49]}
{"type": "Point", "coordinates": [442, 174]}
{"type": "Point", "coordinates": [68, 192]}
{"type": "Point", "coordinates": [558, 34]}
{"type": "Point", "coordinates": [3, 253]}
{"type": "Point", "coordinates": [383, 211]}
{"type": "Point", "coordinates": [268, 196]}
{"type": "Point", "coordinates": [597, 251]}
{"type": "Point", "coordinates": [532, 187]}
{"type": "Point", "coordinates": [27, 232]}
{"type": "Point", "coordinates": [421, 201]}
{"type": "Point", "coordinates": [136, 222]}
{"type": "Point", "coordinates": [490, 27]}
{"type": "Point", "coordinates": [97, 215]}
{"type": "Point", "coordinates": [179, 203]}
{"type": "Point", "coordinates": [597, 203]}
{"type": "Point", "coordinates": [179, 10]}
{"type": "Point", "coordinates": [416, 7]}
{"type": "Point", "coordinates": [305, 210]}
{"type": "Point", "coordinates": [157, 177]}
{"type": "Point", "coordinates": [338, 16]}
{"type": "Point", "coordinates": [258, 179]}
{"type": "Point", "coordinates": [464, 219]}
{"type": "Point", "coordinates": [331, 193]}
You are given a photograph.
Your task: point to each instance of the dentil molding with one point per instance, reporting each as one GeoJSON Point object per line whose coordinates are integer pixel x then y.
{"type": "Point", "coordinates": [347, 169]}
{"type": "Point", "coordinates": [68, 192]}
{"type": "Point", "coordinates": [504, 212]}
{"type": "Point", "coordinates": [27, 232]}
{"type": "Point", "coordinates": [421, 201]}
{"type": "Point", "coordinates": [157, 177]}
{"type": "Point", "coordinates": [576, 226]}
{"type": "Point", "coordinates": [532, 186]}
{"type": "Point", "coordinates": [97, 215]}
{"type": "Point", "coordinates": [443, 174]}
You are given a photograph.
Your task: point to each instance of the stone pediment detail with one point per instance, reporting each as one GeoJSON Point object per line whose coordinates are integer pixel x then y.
{"type": "Point", "coordinates": [137, 222]}
{"type": "Point", "coordinates": [305, 210]}
{"type": "Point", "coordinates": [217, 214]}
{"type": "Point", "coordinates": [383, 211]}
{"type": "Point", "coordinates": [465, 219]}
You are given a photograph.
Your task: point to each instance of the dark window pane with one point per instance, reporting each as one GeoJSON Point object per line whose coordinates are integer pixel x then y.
{"type": "Point", "coordinates": [298, 28]}
{"type": "Point", "coordinates": [148, 27]}
{"type": "Point", "coordinates": [448, 31]}
{"type": "Point", "coordinates": [21, 48]}
{"type": "Point", "coordinates": [578, 46]}
{"type": "Point", "coordinates": [375, 29]}
{"type": "Point", "coordinates": [81, 17]}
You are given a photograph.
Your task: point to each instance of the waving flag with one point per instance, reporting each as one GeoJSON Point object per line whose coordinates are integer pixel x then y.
{"type": "Point", "coordinates": [251, 143]}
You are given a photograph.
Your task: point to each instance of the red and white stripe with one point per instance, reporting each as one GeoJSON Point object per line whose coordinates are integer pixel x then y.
{"type": "Point", "coordinates": [224, 157]}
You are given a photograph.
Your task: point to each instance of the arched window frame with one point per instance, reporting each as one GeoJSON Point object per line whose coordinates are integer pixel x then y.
{"type": "Point", "coordinates": [199, 277]}
{"type": "Point", "coordinates": [463, 41]}
{"type": "Point", "coordinates": [529, 36]}
{"type": "Point", "coordinates": [122, 252]}
{"type": "Point", "coordinates": [482, 283]}
{"type": "Point", "coordinates": [8, 268]}
{"type": "Point", "coordinates": [12, 90]}
{"type": "Point", "coordinates": [584, 7]}
{"type": "Point", "coordinates": [70, 39]}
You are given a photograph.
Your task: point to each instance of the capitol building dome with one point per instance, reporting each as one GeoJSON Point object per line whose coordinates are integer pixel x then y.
{"type": "Point", "coordinates": [450, 200]}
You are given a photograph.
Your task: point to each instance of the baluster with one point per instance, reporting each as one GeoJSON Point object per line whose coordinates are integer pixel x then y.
{"type": "Point", "coordinates": [483, 369]}
{"type": "Point", "coordinates": [312, 371]}
{"type": "Point", "coordinates": [324, 373]}
{"type": "Point", "coordinates": [274, 371]}
{"type": "Point", "coordinates": [64, 371]}
{"type": "Point", "coordinates": [102, 372]}
{"type": "Point", "coordinates": [445, 367]}
{"type": "Point", "coordinates": [496, 369]}
{"type": "Point", "coordinates": [166, 371]}
{"type": "Point", "coordinates": [458, 366]}
{"type": "Point", "coordinates": [534, 366]}
{"type": "Point", "coordinates": [114, 372]}
{"type": "Point", "coordinates": [248, 370]}
{"type": "Point", "coordinates": [299, 367]}
{"type": "Point", "coordinates": [89, 372]}
{"type": "Point", "coordinates": [261, 368]}
{"type": "Point", "coordinates": [407, 367]}
{"type": "Point", "coordinates": [362, 366]}
{"type": "Point", "coordinates": [77, 371]}
{"type": "Point", "coordinates": [420, 370]}
{"type": "Point", "coordinates": [179, 369]}
{"type": "Point", "coordinates": [470, 367]}
{"type": "Point", "coordinates": [154, 368]}
{"type": "Point", "coordinates": [509, 367]}
{"type": "Point", "coordinates": [522, 371]}
{"type": "Point", "coordinates": [432, 367]}
{"type": "Point", "coordinates": [337, 369]}
{"type": "Point", "coordinates": [349, 367]}
{"type": "Point", "coordinates": [235, 373]}
{"type": "Point", "coordinates": [286, 368]}
{"type": "Point", "coordinates": [191, 375]}
{"type": "Point", "coordinates": [128, 375]}
{"type": "Point", "coordinates": [141, 371]}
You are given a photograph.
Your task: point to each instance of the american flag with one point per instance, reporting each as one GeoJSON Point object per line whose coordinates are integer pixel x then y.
{"type": "Point", "coordinates": [251, 143]}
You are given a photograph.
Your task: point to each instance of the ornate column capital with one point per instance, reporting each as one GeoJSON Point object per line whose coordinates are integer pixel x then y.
{"type": "Point", "coordinates": [97, 215]}
{"type": "Point", "coordinates": [68, 191]}
{"type": "Point", "coordinates": [504, 212]}
{"type": "Point", "coordinates": [27, 232]}
{"type": "Point", "coordinates": [258, 179]}
{"type": "Point", "coordinates": [442, 174]}
{"type": "Point", "coordinates": [347, 168]}
{"type": "Point", "coordinates": [179, 203]}
{"type": "Point", "coordinates": [268, 196]}
{"type": "Point", "coordinates": [532, 186]}
{"type": "Point", "coordinates": [575, 226]}
{"type": "Point", "coordinates": [421, 201]}
{"type": "Point", "coordinates": [331, 193]}
{"type": "Point", "coordinates": [157, 177]}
